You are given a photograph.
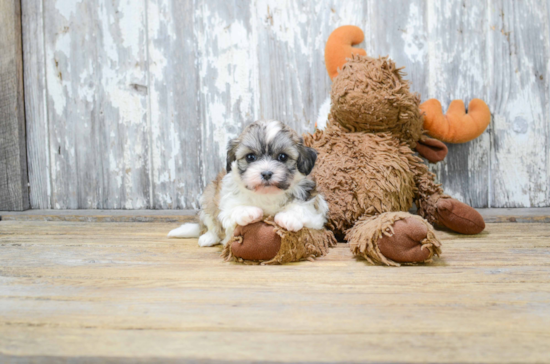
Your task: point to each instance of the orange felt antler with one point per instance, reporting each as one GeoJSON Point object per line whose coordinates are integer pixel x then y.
{"type": "Point", "coordinates": [339, 47]}
{"type": "Point", "coordinates": [456, 126]}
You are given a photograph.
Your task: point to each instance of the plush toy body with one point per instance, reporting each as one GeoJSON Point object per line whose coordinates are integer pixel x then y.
{"type": "Point", "coordinates": [370, 181]}
{"type": "Point", "coordinates": [369, 173]}
{"type": "Point", "coordinates": [367, 168]}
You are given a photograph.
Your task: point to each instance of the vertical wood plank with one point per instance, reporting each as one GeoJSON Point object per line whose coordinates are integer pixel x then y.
{"type": "Point", "coordinates": [97, 104]}
{"type": "Point", "coordinates": [327, 16]}
{"type": "Point", "coordinates": [124, 138]}
{"type": "Point", "coordinates": [519, 96]}
{"type": "Point", "coordinates": [228, 81]}
{"type": "Point", "coordinates": [60, 33]}
{"type": "Point", "coordinates": [294, 85]}
{"type": "Point", "coordinates": [546, 77]}
{"type": "Point", "coordinates": [13, 154]}
{"type": "Point", "coordinates": [285, 53]}
{"type": "Point", "coordinates": [38, 150]}
{"type": "Point", "coordinates": [457, 69]}
{"type": "Point", "coordinates": [175, 121]}
{"type": "Point", "coordinates": [398, 29]}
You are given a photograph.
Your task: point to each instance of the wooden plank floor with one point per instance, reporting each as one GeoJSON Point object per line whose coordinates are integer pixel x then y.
{"type": "Point", "coordinates": [120, 292]}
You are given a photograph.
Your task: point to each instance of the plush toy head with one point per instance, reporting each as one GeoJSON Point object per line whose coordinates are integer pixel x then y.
{"type": "Point", "coordinates": [369, 94]}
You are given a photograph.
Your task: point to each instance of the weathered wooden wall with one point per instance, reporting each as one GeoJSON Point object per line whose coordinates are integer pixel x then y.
{"type": "Point", "coordinates": [130, 103]}
{"type": "Point", "coordinates": [14, 193]}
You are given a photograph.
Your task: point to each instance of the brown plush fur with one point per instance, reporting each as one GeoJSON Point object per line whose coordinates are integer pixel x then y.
{"type": "Point", "coordinates": [364, 237]}
{"type": "Point", "coordinates": [306, 244]}
{"type": "Point", "coordinates": [369, 94]}
{"type": "Point", "coordinates": [363, 174]}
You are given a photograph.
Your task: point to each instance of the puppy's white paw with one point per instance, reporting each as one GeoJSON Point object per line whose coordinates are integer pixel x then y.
{"type": "Point", "coordinates": [245, 215]}
{"type": "Point", "coordinates": [208, 239]}
{"type": "Point", "coordinates": [289, 221]}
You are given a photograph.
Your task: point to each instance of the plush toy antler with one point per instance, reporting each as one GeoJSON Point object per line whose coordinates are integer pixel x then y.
{"type": "Point", "coordinates": [339, 47]}
{"type": "Point", "coordinates": [456, 126]}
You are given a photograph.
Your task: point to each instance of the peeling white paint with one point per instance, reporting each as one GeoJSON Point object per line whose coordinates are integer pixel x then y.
{"type": "Point", "coordinates": [123, 100]}
{"type": "Point", "coordinates": [225, 71]}
{"type": "Point", "coordinates": [132, 37]}
{"type": "Point", "coordinates": [414, 46]}
{"type": "Point", "coordinates": [283, 19]}
{"type": "Point", "coordinates": [520, 178]}
{"type": "Point", "coordinates": [59, 90]}
{"type": "Point", "coordinates": [67, 8]}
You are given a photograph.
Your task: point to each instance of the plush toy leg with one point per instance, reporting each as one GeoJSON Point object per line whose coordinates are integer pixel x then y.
{"type": "Point", "coordinates": [265, 242]}
{"type": "Point", "coordinates": [439, 208]}
{"type": "Point", "coordinates": [392, 238]}
{"type": "Point", "coordinates": [456, 215]}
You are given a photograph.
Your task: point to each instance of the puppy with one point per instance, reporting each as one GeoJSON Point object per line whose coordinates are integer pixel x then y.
{"type": "Point", "coordinates": [266, 175]}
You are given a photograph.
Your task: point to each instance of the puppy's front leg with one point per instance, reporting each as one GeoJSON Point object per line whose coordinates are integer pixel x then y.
{"type": "Point", "coordinates": [290, 218]}
{"type": "Point", "coordinates": [311, 214]}
{"type": "Point", "coordinates": [244, 215]}
{"type": "Point", "coordinates": [239, 215]}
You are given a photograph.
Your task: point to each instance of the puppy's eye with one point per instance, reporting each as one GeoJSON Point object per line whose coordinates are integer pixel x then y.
{"type": "Point", "coordinates": [250, 157]}
{"type": "Point", "coordinates": [282, 157]}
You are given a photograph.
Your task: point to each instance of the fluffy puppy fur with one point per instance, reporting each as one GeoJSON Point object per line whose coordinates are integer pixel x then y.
{"type": "Point", "coordinates": [266, 175]}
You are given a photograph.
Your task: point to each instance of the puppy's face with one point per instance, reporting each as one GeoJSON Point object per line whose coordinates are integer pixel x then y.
{"type": "Point", "coordinates": [269, 156]}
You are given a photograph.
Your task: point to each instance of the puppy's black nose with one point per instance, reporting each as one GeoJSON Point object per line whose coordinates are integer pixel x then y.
{"type": "Point", "coordinates": [267, 175]}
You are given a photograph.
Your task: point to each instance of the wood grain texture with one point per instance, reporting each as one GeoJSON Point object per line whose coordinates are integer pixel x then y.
{"type": "Point", "coordinates": [228, 77]}
{"type": "Point", "coordinates": [174, 108]}
{"type": "Point", "coordinates": [457, 60]}
{"type": "Point", "coordinates": [14, 193]}
{"type": "Point", "coordinates": [122, 290]}
{"type": "Point", "coordinates": [36, 114]}
{"type": "Point", "coordinates": [520, 146]}
{"type": "Point", "coordinates": [288, 89]}
{"type": "Point", "coordinates": [96, 70]}
{"type": "Point", "coordinates": [151, 92]}
{"type": "Point", "coordinates": [400, 31]}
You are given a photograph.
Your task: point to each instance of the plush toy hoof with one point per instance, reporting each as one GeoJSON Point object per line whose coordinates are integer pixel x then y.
{"type": "Point", "coordinates": [259, 242]}
{"type": "Point", "coordinates": [405, 245]}
{"type": "Point", "coordinates": [459, 217]}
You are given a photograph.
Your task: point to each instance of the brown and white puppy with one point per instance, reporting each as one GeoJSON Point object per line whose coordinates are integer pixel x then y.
{"type": "Point", "coordinates": [266, 175]}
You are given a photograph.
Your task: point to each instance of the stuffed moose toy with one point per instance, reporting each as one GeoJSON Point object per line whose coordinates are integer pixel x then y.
{"type": "Point", "coordinates": [367, 169]}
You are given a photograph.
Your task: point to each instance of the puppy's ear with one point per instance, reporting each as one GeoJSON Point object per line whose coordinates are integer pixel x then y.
{"type": "Point", "coordinates": [306, 160]}
{"type": "Point", "coordinates": [231, 150]}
